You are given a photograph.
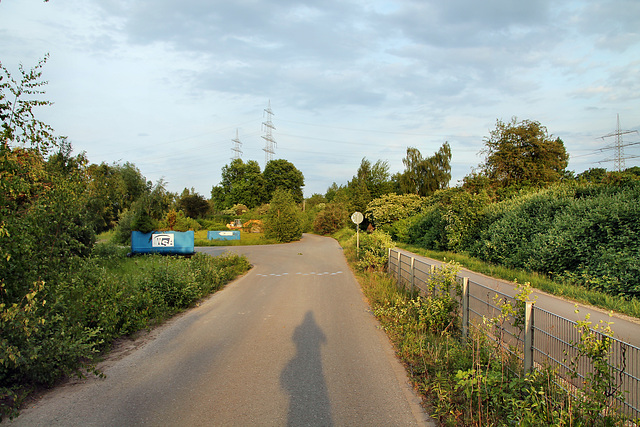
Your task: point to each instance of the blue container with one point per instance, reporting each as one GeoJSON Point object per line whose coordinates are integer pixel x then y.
{"type": "Point", "coordinates": [223, 235]}
{"type": "Point", "coordinates": [163, 242]}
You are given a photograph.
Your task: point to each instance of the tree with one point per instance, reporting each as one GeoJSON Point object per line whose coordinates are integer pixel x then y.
{"type": "Point", "coordinates": [370, 182]}
{"type": "Point", "coordinates": [333, 191]}
{"type": "Point", "coordinates": [17, 102]}
{"type": "Point", "coordinates": [375, 177]}
{"type": "Point", "coordinates": [330, 219]}
{"type": "Point", "coordinates": [425, 176]}
{"type": "Point", "coordinates": [241, 183]}
{"type": "Point", "coordinates": [135, 183]}
{"type": "Point", "coordinates": [392, 207]}
{"type": "Point", "coordinates": [283, 174]}
{"type": "Point", "coordinates": [44, 225]}
{"type": "Point", "coordinates": [193, 204]}
{"type": "Point", "coordinates": [523, 154]}
{"type": "Point", "coordinates": [283, 221]}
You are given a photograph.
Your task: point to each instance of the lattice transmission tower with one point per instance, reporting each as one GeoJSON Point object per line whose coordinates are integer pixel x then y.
{"type": "Point", "coordinates": [237, 147]}
{"type": "Point", "coordinates": [270, 143]}
{"type": "Point", "coordinates": [618, 147]}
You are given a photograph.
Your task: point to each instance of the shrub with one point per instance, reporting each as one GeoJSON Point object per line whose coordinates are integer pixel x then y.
{"type": "Point", "coordinates": [283, 222]}
{"type": "Point", "coordinates": [392, 207]}
{"type": "Point", "coordinates": [374, 250]}
{"type": "Point", "coordinates": [330, 219]}
{"type": "Point", "coordinates": [428, 229]}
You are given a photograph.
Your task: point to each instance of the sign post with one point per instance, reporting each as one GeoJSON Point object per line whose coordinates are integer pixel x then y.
{"type": "Point", "coordinates": [357, 219]}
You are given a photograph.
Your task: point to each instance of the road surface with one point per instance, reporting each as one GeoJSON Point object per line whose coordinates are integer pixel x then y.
{"type": "Point", "coordinates": [290, 343]}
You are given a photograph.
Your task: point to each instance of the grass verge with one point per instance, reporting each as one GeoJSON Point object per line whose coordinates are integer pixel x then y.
{"type": "Point", "coordinates": [474, 381]}
{"type": "Point", "coordinates": [629, 307]}
{"type": "Point", "coordinates": [246, 239]}
{"type": "Point", "coordinates": [60, 329]}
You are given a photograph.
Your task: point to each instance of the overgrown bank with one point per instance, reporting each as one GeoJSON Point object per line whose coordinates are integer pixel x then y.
{"type": "Point", "coordinates": [61, 327]}
{"type": "Point", "coordinates": [473, 382]}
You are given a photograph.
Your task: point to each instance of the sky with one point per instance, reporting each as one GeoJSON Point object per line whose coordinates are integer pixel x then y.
{"type": "Point", "coordinates": [166, 84]}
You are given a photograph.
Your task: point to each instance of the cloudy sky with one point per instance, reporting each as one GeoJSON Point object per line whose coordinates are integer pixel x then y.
{"type": "Point", "coordinates": [165, 84]}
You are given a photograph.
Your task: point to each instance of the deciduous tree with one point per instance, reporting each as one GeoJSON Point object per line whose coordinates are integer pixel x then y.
{"type": "Point", "coordinates": [283, 174]}
{"type": "Point", "coordinates": [283, 221]}
{"type": "Point", "coordinates": [424, 176]}
{"type": "Point", "coordinates": [523, 154]}
{"type": "Point", "coordinates": [241, 183]}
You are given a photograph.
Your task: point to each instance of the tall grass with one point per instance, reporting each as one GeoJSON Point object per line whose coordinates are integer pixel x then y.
{"type": "Point", "coordinates": [62, 326]}
{"type": "Point", "coordinates": [473, 381]}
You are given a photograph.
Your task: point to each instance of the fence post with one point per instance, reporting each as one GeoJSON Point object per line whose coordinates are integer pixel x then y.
{"type": "Point", "coordinates": [399, 271]}
{"type": "Point", "coordinates": [389, 260]}
{"type": "Point", "coordinates": [528, 336]}
{"type": "Point", "coordinates": [432, 286]}
{"type": "Point", "coordinates": [465, 308]}
{"type": "Point", "coordinates": [413, 273]}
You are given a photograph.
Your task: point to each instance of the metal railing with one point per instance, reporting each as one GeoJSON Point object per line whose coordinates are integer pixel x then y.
{"type": "Point", "coordinates": [539, 339]}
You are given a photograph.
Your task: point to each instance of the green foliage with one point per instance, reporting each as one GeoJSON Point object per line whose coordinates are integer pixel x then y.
{"type": "Point", "coordinates": [283, 174]}
{"type": "Point", "coordinates": [283, 222]}
{"type": "Point", "coordinates": [475, 381]}
{"type": "Point", "coordinates": [181, 223]}
{"type": "Point", "coordinates": [330, 219]}
{"type": "Point", "coordinates": [370, 182]}
{"type": "Point", "coordinates": [374, 250]}
{"type": "Point", "coordinates": [145, 215]}
{"type": "Point", "coordinates": [111, 189]}
{"type": "Point", "coordinates": [585, 233]}
{"type": "Point", "coordinates": [427, 229]}
{"type": "Point", "coordinates": [463, 217]}
{"type": "Point", "coordinates": [243, 183]}
{"type": "Point", "coordinates": [18, 100]}
{"type": "Point", "coordinates": [599, 383]}
{"type": "Point", "coordinates": [193, 204]}
{"type": "Point", "coordinates": [523, 154]}
{"type": "Point", "coordinates": [424, 176]}
{"type": "Point", "coordinates": [57, 327]}
{"type": "Point", "coordinates": [392, 207]}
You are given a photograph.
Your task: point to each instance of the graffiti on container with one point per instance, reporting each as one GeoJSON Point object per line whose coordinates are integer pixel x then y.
{"type": "Point", "coordinates": [162, 241]}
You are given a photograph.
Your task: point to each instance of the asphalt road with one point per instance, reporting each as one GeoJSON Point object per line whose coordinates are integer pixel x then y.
{"type": "Point", "coordinates": [625, 328]}
{"type": "Point", "coordinates": [290, 343]}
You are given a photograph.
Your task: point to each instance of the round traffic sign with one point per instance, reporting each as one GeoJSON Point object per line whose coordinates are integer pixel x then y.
{"type": "Point", "coordinates": [357, 217]}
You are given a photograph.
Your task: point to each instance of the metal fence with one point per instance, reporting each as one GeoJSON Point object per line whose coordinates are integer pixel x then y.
{"type": "Point", "coordinates": [539, 338]}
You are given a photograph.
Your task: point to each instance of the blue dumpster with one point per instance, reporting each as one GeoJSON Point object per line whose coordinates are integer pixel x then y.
{"type": "Point", "coordinates": [163, 242]}
{"type": "Point", "coordinates": [223, 235]}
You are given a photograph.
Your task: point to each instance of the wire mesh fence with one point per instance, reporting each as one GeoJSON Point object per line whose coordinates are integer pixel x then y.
{"type": "Point", "coordinates": [538, 338]}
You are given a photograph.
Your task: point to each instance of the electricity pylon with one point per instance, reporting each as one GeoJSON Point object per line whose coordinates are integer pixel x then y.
{"type": "Point", "coordinates": [618, 147]}
{"type": "Point", "coordinates": [268, 136]}
{"type": "Point", "coordinates": [237, 151]}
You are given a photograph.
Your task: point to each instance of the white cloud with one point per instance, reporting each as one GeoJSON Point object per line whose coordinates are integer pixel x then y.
{"type": "Point", "coordinates": [165, 83]}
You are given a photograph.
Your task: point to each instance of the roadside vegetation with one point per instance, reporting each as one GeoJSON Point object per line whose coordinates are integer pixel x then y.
{"type": "Point", "coordinates": [475, 382]}
{"type": "Point", "coordinates": [519, 215]}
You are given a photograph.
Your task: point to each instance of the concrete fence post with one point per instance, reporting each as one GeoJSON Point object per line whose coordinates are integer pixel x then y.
{"type": "Point", "coordinates": [399, 271]}
{"type": "Point", "coordinates": [465, 308]}
{"type": "Point", "coordinates": [432, 286]}
{"type": "Point", "coordinates": [528, 336]}
{"type": "Point", "coordinates": [413, 273]}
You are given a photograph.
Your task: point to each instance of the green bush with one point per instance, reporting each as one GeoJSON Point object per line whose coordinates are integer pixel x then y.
{"type": "Point", "coordinates": [55, 330]}
{"type": "Point", "coordinates": [330, 219]}
{"type": "Point", "coordinates": [587, 234]}
{"type": "Point", "coordinates": [283, 221]}
{"type": "Point", "coordinates": [374, 250]}
{"type": "Point", "coordinates": [428, 229]}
